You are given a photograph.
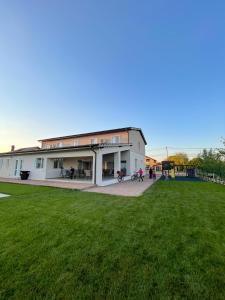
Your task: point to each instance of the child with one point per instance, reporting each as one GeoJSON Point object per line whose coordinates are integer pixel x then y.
{"type": "Point", "coordinates": [140, 172]}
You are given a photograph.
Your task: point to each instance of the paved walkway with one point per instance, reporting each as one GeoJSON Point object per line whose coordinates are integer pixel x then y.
{"type": "Point", "coordinates": [127, 188]}
{"type": "Point", "coordinates": [51, 183]}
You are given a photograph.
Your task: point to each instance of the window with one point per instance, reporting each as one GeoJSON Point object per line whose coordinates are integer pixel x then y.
{"type": "Point", "coordinates": [76, 143]}
{"type": "Point", "coordinates": [105, 141]}
{"type": "Point", "coordinates": [94, 141]}
{"type": "Point", "coordinates": [115, 139]}
{"type": "Point", "coordinates": [39, 163]}
{"type": "Point", "coordinates": [136, 164]}
{"type": "Point", "coordinates": [58, 163]}
{"type": "Point", "coordinates": [139, 146]}
{"type": "Point", "coordinates": [7, 163]}
{"type": "Point", "coordinates": [1, 163]}
{"type": "Point", "coordinates": [147, 160]}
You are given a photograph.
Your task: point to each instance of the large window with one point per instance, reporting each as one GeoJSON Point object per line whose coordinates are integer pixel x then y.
{"type": "Point", "coordinates": [94, 141]}
{"type": "Point", "coordinates": [58, 163]}
{"type": "Point", "coordinates": [115, 139]}
{"type": "Point", "coordinates": [39, 163]}
{"type": "Point", "coordinates": [76, 143]}
{"type": "Point", "coordinates": [136, 164]}
{"type": "Point", "coordinates": [1, 163]}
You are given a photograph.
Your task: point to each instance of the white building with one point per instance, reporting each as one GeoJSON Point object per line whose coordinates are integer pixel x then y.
{"type": "Point", "coordinates": [95, 157]}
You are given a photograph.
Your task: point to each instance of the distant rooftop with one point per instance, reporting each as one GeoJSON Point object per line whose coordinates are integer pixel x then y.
{"type": "Point", "coordinates": [95, 133]}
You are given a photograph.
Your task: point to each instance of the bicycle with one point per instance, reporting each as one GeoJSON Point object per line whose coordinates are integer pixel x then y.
{"type": "Point", "coordinates": [120, 177]}
{"type": "Point", "coordinates": [134, 176]}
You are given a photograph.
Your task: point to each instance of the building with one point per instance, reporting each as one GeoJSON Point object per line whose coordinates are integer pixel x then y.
{"type": "Point", "coordinates": [96, 157]}
{"type": "Point", "coordinates": [150, 162]}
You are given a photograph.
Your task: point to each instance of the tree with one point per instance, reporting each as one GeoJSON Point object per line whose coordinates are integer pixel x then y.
{"type": "Point", "coordinates": [222, 151]}
{"type": "Point", "coordinates": [212, 162]}
{"type": "Point", "coordinates": [179, 158]}
{"type": "Point", "coordinates": [195, 162]}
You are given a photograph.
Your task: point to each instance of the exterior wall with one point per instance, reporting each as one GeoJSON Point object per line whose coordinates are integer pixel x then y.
{"type": "Point", "coordinates": [140, 163]}
{"type": "Point", "coordinates": [86, 140]}
{"type": "Point", "coordinates": [138, 145]}
{"type": "Point", "coordinates": [137, 152]}
{"type": "Point", "coordinates": [5, 166]}
{"type": "Point", "coordinates": [29, 164]}
{"type": "Point", "coordinates": [150, 162]}
{"type": "Point", "coordinates": [134, 156]}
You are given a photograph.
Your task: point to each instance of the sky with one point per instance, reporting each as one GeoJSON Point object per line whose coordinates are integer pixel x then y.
{"type": "Point", "coordinates": [70, 67]}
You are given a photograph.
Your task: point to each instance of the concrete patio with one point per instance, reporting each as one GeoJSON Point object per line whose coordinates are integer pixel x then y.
{"type": "Point", "coordinates": [66, 184]}
{"type": "Point", "coordinates": [126, 188]}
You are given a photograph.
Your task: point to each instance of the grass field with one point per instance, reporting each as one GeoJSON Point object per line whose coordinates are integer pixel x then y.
{"type": "Point", "coordinates": [63, 244]}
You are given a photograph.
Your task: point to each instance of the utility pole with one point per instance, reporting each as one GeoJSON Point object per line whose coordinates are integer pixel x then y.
{"type": "Point", "coordinates": [167, 154]}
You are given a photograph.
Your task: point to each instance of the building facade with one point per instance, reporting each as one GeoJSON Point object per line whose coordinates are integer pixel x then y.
{"type": "Point", "coordinates": [150, 162]}
{"type": "Point", "coordinates": [95, 157]}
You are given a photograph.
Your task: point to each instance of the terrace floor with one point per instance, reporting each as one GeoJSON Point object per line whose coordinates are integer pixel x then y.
{"type": "Point", "coordinates": [126, 188]}
{"type": "Point", "coordinates": [61, 183]}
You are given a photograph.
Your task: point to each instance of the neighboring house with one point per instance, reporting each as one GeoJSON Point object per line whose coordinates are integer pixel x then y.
{"type": "Point", "coordinates": [95, 156]}
{"type": "Point", "coordinates": [150, 162]}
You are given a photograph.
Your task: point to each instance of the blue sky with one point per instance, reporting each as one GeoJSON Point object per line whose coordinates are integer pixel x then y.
{"type": "Point", "coordinates": [77, 66]}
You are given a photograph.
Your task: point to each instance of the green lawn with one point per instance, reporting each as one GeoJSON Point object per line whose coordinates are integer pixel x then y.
{"type": "Point", "coordinates": [63, 244]}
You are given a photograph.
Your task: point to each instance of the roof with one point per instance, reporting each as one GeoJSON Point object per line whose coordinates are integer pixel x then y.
{"type": "Point", "coordinates": [27, 149]}
{"type": "Point", "coordinates": [95, 133]}
{"type": "Point", "coordinates": [38, 150]}
{"type": "Point", "coordinates": [150, 157]}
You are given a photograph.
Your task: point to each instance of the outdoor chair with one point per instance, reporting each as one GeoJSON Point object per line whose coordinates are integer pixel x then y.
{"type": "Point", "coordinates": [87, 173]}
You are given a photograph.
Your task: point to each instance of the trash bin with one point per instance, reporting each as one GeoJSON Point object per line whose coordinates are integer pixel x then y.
{"type": "Point", "coordinates": [24, 175]}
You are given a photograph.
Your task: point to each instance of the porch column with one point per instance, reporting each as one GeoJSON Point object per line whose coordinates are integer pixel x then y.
{"type": "Point", "coordinates": [93, 169]}
{"type": "Point", "coordinates": [117, 163]}
{"type": "Point", "coordinates": [99, 168]}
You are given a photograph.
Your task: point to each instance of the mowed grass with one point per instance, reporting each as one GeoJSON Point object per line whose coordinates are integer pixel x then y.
{"type": "Point", "coordinates": [64, 244]}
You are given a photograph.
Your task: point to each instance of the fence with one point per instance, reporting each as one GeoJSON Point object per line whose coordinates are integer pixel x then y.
{"type": "Point", "coordinates": [212, 177]}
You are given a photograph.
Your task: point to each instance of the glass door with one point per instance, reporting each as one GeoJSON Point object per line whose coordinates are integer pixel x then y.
{"type": "Point", "coordinates": [18, 167]}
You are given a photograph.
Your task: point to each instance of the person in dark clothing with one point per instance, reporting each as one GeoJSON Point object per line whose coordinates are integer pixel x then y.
{"type": "Point", "coordinates": [150, 173]}
{"type": "Point", "coordinates": [72, 172]}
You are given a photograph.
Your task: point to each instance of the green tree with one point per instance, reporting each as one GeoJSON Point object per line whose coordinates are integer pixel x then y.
{"type": "Point", "coordinates": [212, 162]}
{"type": "Point", "coordinates": [195, 162]}
{"type": "Point", "coordinates": [222, 151]}
{"type": "Point", "coordinates": [179, 158]}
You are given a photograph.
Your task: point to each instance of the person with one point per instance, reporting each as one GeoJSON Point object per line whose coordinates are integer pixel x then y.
{"type": "Point", "coordinates": [140, 172]}
{"type": "Point", "coordinates": [120, 175]}
{"type": "Point", "coordinates": [72, 172]}
{"type": "Point", "coordinates": [154, 175]}
{"type": "Point", "coordinates": [150, 173]}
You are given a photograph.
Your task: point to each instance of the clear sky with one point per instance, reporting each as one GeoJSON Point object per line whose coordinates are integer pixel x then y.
{"type": "Point", "coordinates": [68, 67]}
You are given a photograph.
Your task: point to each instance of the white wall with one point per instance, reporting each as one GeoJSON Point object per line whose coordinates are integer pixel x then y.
{"type": "Point", "coordinates": [29, 164]}
{"type": "Point", "coordinates": [138, 145]}
{"type": "Point", "coordinates": [128, 153]}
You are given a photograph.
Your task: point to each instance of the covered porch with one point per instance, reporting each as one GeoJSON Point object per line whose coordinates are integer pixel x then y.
{"type": "Point", "coordinates": [109, 163]}
{"type": "Point", "coordinates": [70, 168]}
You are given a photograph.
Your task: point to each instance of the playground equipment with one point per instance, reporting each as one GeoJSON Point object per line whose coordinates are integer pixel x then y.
{"type": "Point", "coordinates": [170, 170]}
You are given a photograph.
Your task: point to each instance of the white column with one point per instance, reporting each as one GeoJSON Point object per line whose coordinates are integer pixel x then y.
{"type": "Point", "coordinates": [93, 169]}
{"type": "Point", "coordinates": [99, 158]}
{"type": "Point", "coordinates": [117, 163]}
